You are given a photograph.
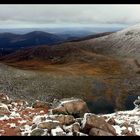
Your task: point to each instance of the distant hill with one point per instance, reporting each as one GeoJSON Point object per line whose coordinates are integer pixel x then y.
{"type": "Point", "coordinates": [10, 42]}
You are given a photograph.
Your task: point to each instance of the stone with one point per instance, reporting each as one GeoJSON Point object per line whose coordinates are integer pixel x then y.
{"type": "Point", "coordinates": [125, 124]}
{"type": "Point", "coordinates": [111, 121]}
{"type": "Point", "coordinates": [37, 132]}
{"type": "Point", "coordinates": [64, 119]}
{"type": "Point", "coordinates": [72, 128]}
{"type": "Point", "coordinates": [126, 132]}
{"type": "Point", "coordinates": [40, 104]}
{"type": "Point", "coordinates": [79, 134]}
{"type": "Point", "coordinates": [33, 126]}
{"type": "Point", "coordinates": [58, 131]}
{"type": "Point", "coordinates": [19, 103]}
{"type": "Point", "coordinates": [49, 125]}
{"type": "Point", "coordinates": [4, 99]}
{"type": "Point", "coordinates": [99, 132]}
{"type": "Point", "coordinates": [93, 121]}
{"type": "Point", "coordinates": [75, 107]}
{"type": "Point", "coordinates": [137, 102]}
{"type": "Point", "coordinates": [79, 120]}
{"type": "Point", "coordinates": [4, 109]}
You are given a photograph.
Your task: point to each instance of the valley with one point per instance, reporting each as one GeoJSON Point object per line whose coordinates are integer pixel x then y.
{"type": "Point", "coordinates": [92, 69]}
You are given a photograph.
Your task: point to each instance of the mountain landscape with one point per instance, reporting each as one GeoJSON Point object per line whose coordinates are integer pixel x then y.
{"type": "Point", "coordinates": [101, 69]}
{"type": "Point", "coordinates": [69, 70]}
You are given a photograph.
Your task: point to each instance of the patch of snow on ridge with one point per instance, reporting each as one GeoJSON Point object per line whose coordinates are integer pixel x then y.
{"type": "Point", "coordinates": [27, 130]}
{"type": "Point", "coordinates": [3, 106]}
{"type": "Point", "coordinates": [22, 121]}
{"type": "Point", "coordinates": [14, 114]}
{"type": "Point", "coordinates": [57, 131]}
{"type": "Point", "coordinates": [37, 119]}
{"type": "Point", "coordinates": [12, 125]}
{"type": "Point", "coordinates": [5, 117]}
{"type": "Point", "coordinates": [131, 117]}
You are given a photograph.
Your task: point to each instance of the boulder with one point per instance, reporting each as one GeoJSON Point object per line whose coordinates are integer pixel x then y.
{"type": "Point", "coordinates": [125, 124]}
{"type": "Point", "coordinates": [75, 107]}
{"type": "Point", "coordinates": [64, 119]}
{"type": "Point", "coordinates": [40, 104]}
{"type": "Point", "coordinates": [111, 121]}
{"type": "Point", "coordinates": [126, 132]}
{"type": "Point", "coordinates": [49, 124]}
{"type": "Point", "coordinates": [99, 132]}
{"type": "Point", "coordinates": [93, 121]}
{"type": "Point", "coordinates": [72, 128]}
{"type": "Point", "coordinates": [4, 109]}
{"type": "Point", "coordinates": [129, 131]}
{"type": "Point", "coordinates": [37, 132]}
{"type": "Point", "coordinates": [4, 99]}
{"type": "Point", "coordinates": [79, 134]}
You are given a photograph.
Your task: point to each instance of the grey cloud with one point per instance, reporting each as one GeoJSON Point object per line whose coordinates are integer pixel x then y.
{"type": "Point", "coordinates": [76, 14]}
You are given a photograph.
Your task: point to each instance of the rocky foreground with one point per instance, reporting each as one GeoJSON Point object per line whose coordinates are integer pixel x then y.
{"type": "Point", "coordinates": [66, 117]}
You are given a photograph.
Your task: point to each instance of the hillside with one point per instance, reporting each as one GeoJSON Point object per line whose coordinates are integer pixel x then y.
{"type": "Point", "coordinates": [124, 43]}
{"type": "Point", "coordinates": [76, 67]}
{"type": "Point", "coordinates": [65, 59]}
{"type": "Point", "coordinates": [10, 42]}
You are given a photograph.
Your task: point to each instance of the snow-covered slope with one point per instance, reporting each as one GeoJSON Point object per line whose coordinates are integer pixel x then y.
{"type": "Point", "coordinates": [126, 121]}
{"type": "Point", "coordinates": [123, 43]}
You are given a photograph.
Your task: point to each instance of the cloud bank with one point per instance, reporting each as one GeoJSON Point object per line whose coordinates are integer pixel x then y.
{"type": "Point", "coordinates": [64, 15]}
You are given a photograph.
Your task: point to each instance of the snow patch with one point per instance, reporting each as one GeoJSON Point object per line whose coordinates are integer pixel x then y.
{"type": "Point", "coordinates": [57, 131]}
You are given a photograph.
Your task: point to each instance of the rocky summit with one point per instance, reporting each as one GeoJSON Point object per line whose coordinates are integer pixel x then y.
{"type": "Point", "coordinates": [66, 117]}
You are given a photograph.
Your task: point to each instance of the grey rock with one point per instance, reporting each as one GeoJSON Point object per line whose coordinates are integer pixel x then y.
{"type": "Point", "coordinates": [37, 132]}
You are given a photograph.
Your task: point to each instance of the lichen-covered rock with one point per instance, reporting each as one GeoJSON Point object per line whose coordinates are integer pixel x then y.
{"type": "Point", "coordinates": [40, 104]}
{"type": "Point", "coordinates": [4, 98]}
{"type": "Point", "coordinates": [127, 132]}
{"type": "Point", "coordinates": [75, 107]}
{"type": "Point", "coordinates": [72, 128]}
{"type": "Point", "coordinates": [49, 124]}
{"type": "Point", "coordinates": [79, 134]}
{"type": "Point", "coordinates": [4, 109]}
{"type": "Point", "coordinates": [111, 121]}
{"type": "Point", "coordinates": [92, 121]}
{"type": "Point", "coordinates": [99, 132]}
{"type": "Point", "coordinates": [37, 132]}
{"type": "Point", "coordinates": [64, 119]}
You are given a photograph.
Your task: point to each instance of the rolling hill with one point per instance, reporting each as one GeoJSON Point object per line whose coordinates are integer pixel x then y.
{"type": "Point", "coordinates": [124, 43]}
{"type": "Point", "coordinates": [10, 42]}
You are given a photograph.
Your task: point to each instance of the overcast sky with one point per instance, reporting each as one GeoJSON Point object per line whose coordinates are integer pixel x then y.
{"type": "Point", "coordinates": [68, 15]}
